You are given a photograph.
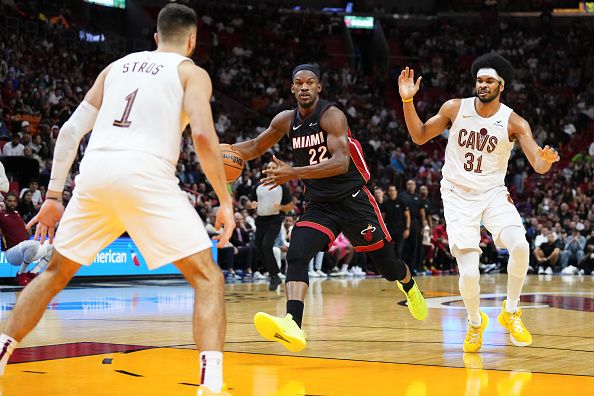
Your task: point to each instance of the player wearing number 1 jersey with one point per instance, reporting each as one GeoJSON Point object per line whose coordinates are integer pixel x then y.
{"type": "Point", "coordinates": [330, 162]}
{"type": "Point", "coordinates": [482, 132]}
{"type": "Point", "coordinates": [138, 108]}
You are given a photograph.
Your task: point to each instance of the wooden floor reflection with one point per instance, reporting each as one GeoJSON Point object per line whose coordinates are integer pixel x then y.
{"type": "Point", "coordinates": [128, 339]}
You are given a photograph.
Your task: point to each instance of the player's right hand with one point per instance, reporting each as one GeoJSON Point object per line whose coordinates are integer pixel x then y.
{"type": "Point", "coordinates": [49, 214]}
{"type": "Point", "coordinates": [226, 219]}
{"type": "Point", "coordinates": [407, 87]}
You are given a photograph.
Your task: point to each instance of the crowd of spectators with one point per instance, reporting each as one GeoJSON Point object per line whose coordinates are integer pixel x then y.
{"type": "Point", "coordinates": [249, 52]}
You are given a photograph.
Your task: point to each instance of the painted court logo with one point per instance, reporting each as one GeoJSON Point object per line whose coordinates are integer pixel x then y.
{"type": "Point", "coordinates": [368, 232]}
{"type": "Point", "coordinates": [574, 301]}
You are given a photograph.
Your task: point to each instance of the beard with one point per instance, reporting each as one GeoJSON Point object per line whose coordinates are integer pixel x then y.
{"type": "Point", "coordinates": [487, 99]}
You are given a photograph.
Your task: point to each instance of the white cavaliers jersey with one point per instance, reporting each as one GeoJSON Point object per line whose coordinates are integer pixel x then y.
{"type": "Point", "coordinates": [142, 106]}
{"type": "Point", "coordinates": [478, 148]}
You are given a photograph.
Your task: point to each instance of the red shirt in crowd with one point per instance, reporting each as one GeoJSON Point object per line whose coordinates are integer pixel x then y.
{"type": "Point", "coordinates": [440, 236]}
{"type": "Point", "coordinates": [13, 229]}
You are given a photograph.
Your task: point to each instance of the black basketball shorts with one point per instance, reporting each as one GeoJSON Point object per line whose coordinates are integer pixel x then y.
{"type": "Point", "coordinates": [357, 216]}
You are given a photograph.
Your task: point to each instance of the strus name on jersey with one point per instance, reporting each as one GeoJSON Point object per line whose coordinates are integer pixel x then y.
{"type": "Point", "coordinates": [308, 140]}
{"type": "Point", "coordinates": [141, 67]}
{"type": "Point", "coordinates": [480, 141]}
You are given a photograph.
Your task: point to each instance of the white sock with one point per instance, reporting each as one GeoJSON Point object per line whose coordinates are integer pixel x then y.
{"type": "Point", "coordinates": [475, 320]}
{"type": "Point", "coordinates": [470, 290]}
{"type": "Point", "coordinates": [7, 345]}
{"type": "Point", "coordinates": [24, 268]}
{"type": "Point", "coordinates": [514, 239]}
{"type": "Point", "coordinates": [511, 306]}
{"type": "Point", "coordinates": [211, 370]}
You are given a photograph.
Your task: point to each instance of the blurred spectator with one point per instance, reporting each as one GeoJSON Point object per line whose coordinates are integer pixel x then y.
{"type": "Point", "coordinates": [397, 217]}
{"type": "Point", "coordinates": [14, 147]}
{"type": "Point", "coordinates": [25, 207]}
{"type": "Point", "coordinates": [548, 254]}
{"type": "Point", "coordinates": [573, 253]}
{"type": "Point", "coordinates": [241, 240]}
{"type": "Point", "coordinates": [36, 196]}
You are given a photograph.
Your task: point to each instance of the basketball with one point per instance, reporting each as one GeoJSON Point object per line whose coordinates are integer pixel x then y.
{"type": "Point", "coordinates": [233, 162]}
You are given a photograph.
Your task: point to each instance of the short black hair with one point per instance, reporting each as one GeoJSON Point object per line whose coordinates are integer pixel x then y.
{"type": "Point", "coordinates": [174, 20]}
{"type": "Point", "coordinates": [307, 66]}
{"type": "Point", "coordinates": [494, 61]}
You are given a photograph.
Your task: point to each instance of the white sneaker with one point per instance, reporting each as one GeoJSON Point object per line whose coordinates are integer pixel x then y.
{"type": "Point", "coordinates": [257, 275]}
{"type": "Point", "coordinates": [321, 273]}
{"type": "Point", "coordinates": [569, 270]}
{"type": "Point", "coordinates": [358, 271]}
{"type": "Point", "coordinates": [541, 270]}
{"type": "Point", "coordinates": [313, 274]}
{"type": "Point", "coordinates": [345, 270]}
{"type": "Point", "coordinates": [282, 276]}
{"type": "Point", "coordinates": [549, 271]}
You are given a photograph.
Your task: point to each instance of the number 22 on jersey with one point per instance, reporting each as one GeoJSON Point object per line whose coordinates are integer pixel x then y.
{"type": "Point", "coordinates": [320, 153]}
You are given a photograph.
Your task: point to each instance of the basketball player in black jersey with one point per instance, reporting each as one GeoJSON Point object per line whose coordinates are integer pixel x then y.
{"type": "Point", "coordinates": [330, 162]}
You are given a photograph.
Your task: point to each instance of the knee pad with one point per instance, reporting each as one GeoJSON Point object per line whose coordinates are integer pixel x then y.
{"type": "Point", "coordinates": [468, 265]}
{"type": "Point", "coordinates": [305, 243]}
{"type": "Point", "coordinates": [297, 266]}
{"type": "Point", "coordinates": [469, 282]}
{"type": "Point", "coordinates": [386, 262]}
{"type": "Point", "coordinates": [519, 257]}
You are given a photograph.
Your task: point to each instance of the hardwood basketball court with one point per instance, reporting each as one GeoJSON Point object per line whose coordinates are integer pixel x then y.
{"type": "Point", "coordinates": [134, 338]}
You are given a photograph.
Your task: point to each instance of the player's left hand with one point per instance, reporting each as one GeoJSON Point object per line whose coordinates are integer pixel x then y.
{"type": "Point", "coordinates": [276, 177]}
{"type": "Point", "coordinates": [548, 154]}
{"type": "Point", "coordinates": [49, 214]}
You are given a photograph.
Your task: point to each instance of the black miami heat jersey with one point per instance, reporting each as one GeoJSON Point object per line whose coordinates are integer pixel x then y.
{"type": "Point", "coordinates": [310, 147]}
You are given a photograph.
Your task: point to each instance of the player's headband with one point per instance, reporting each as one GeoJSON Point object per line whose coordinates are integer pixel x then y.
{"type": "Point", "coordinates": [307, 66]}
{"type": "Point", "coordinates": [490, 72]}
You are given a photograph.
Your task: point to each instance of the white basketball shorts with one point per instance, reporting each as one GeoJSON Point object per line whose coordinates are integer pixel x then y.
{"type": "Point", "coordinates": [465, 211]}
{"type": "Point", "coordinates": [132, 191]}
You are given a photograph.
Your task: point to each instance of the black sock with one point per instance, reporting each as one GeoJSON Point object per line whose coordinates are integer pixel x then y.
{"type": "Point", "coordinates": [295, 308]}
{"type": "Point", "coordinates": [409, 285]}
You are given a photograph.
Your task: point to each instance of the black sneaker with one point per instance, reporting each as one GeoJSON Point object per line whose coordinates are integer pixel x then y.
{"type": "Point", "coordinates": [275, 282]}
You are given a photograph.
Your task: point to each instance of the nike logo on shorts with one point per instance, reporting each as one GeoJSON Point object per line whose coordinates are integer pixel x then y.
{"type": "Point", "coordinates": [357, 193]}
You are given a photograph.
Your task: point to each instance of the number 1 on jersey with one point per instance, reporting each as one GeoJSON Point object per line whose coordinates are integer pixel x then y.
{"type": "Point", "coordinates": [124, 123]}
{"type": "Point", "coordinates": [469, 165]}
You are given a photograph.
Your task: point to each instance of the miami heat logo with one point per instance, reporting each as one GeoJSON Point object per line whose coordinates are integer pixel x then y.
{"type": "Point", "coordinates": [368, 232]}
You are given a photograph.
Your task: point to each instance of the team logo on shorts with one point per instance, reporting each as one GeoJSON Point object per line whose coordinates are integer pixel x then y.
{"type": "Point", "coordinates": [368, 232]}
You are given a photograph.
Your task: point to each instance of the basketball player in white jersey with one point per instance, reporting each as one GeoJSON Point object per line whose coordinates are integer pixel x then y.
{"type": "Point", "coordinates": [138, 108]}
{"type": "Point", "coordinates": [481, 136]}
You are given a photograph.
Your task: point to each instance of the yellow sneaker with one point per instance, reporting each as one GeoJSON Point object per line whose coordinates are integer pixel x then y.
{"type": "Point", "coordinates": [282, 330]}
{"type": "Point", "coordinates": [474, 336]}
{"type": "Point", "coordinates": [512, 322]}
{"type": "Point", "coordinates": [415, 301]}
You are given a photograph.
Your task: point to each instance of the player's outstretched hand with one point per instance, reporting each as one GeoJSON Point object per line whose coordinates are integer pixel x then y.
{"type": "Point", "coordinates": [49, 214]}
{"type": "Point", "coordinates": [407, 87]}
{"type": "Point", "coordinates": [276, 177]}
{"type": "Point", "coordinates": [226, 219]}
{"type": "Point", "coordinates": [548, 154]}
